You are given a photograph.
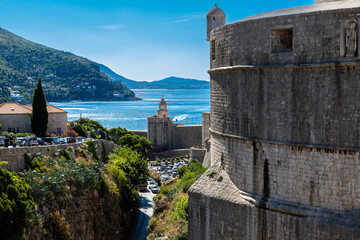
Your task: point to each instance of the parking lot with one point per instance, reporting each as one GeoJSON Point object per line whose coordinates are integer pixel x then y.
{"type": "Point", "coordinates": [165, 170]}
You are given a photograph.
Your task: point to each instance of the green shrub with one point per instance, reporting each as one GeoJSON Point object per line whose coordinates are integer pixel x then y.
{"type": "Point", "coordinates": [16, 204]}
{"type": "Point", "coordinates": [84, 125]}
{"type": "Point", "coordinates": [136, 143]}
{"type": "Point", "coordinates": [181, 209]}
{"type": "Point", "coordinates": [60, 226]}
{"type": "Point", "coordinates": [92, 149]}
{"type": "Point", "coordinates": [54, 175]}
{"type": "Point", "coordinates": [104, 155]}
{"type": "Point", "coordinates": [169, 191]}
{"type": "Point", "coordinates": [66, 154]}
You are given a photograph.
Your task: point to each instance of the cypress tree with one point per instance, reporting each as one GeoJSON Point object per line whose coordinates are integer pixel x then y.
{"type": "Point", "coordinates": [39, 117]}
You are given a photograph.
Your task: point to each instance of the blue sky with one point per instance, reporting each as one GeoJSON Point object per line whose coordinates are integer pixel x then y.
{"type": "Point", "coordinates": [141, 40]}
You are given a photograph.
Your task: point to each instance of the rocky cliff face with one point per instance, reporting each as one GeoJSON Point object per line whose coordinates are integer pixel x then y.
{"type": "Point", "coordinates": [87, 215]}
{"type": "Point", "coordinates": [85, 208]}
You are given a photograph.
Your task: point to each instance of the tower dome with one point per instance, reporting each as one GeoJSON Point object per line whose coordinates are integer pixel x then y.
{"type": "Point", "coordinates": [215, 18]}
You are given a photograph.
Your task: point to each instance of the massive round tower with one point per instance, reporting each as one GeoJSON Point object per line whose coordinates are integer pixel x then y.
{"type": "Point", "coordinates": [284, 125]}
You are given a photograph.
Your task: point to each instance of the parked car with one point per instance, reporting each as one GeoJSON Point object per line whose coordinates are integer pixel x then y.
{"type": "Point", "coordinates": [21, 141]}
{"type": "Point", "coordinates": [151, 185]}
{"type": "Point", "coordinates": [40, 141]}
{"type": "Point", "coordinates": [143, 186]}
{"type": "Point", "coordinates": [48, 141]}
{"type": "Point", "coordinates": [62, 140]}
{"type": "Point", "coordinates": [70, 140]}
{"type": "Point", "coordinates": [155, 189]}
{"type": "Point", "coordinates": [32, 141]}
{"type": "Point", "coordinates": [80, 139]}
{"type": "Point", "coordinates": [2, 140]}
{"type": "Point", "coordinates": [56, 140]}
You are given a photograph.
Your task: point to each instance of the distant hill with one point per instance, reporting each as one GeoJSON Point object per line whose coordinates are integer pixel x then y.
{"type": "Point", "coordinates": [166, 83]}
{"type": "Point", "coordinates": [65, 75]}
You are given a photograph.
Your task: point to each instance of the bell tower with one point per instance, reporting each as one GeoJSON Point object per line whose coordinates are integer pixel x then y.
{"type": "Point", "coordinates": [215, 18]}
{"type": "Point", "coordinates": [162, 112]}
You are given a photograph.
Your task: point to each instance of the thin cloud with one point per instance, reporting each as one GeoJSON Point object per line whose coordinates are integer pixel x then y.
{"type": "Point", "coordinates": [112, 26]}
{"type": "Point", "coordinates": [190, 18]}
{"type": "Point", "coordinates": [181, 20]}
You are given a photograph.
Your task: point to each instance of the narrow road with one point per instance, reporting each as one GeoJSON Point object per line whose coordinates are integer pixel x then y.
{"type": "Point", "coordinates": [146, 211]}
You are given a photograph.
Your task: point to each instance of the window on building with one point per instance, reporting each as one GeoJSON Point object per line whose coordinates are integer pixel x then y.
{"type": "Point", "coordinates": [282, 40]}
{"type": "Point", "coordinates": [212, 49]}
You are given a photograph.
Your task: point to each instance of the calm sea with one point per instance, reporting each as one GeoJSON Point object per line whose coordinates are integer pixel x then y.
{"type": "Point", "coordinates": [184, 105]}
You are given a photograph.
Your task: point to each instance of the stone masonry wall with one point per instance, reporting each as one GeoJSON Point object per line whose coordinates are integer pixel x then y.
{"type": "Point", "coordinates": [161, 132]}
{"type": "Point", "coordinates": [165, 135]}
{"type": "Point", "coordinates": [316, 39]}
{"type": "Point", "coordinates": [18, 121]}
{"type": "Point", "coordinates": [187, 136]}
{"type": "Point", "coordinates": [15, 156]}
{"type": "Point", "coordinates": [218, 210]}
{"type": "Point", "coordinates": [198, 154]}
{"type": "Point", "coordinates": [285, 137]}
{"type": "Point", "coordinates": [57, 120]}
{"type": "Point", "coordinates": [141, 133]}
{"type": "Point", "coordinates": [205, 127]}
{"type": "Point", "coordinates": [307, 105]}
{"type": "Point", "coordinates": [320, 177]}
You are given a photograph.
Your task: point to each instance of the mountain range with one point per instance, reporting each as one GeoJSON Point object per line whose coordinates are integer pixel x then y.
{"type": "Point", "coordinates": [66, 76]}
{"type": "Point", "coordinates": [166, 83]}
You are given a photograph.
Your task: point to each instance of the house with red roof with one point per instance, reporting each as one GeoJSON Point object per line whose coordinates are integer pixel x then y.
{"type": "Point", "coordinates": [15, 117]}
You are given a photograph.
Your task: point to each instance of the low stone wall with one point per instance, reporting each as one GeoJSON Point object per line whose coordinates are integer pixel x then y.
{"type": "Point", "coordinates": [169, 154]}
{"type": "Point", "coordinates": [141, 133]}
{"type": "Point", "coordinates": [198, 154]}
{"type": "Point", "coordinates": [15, 156]}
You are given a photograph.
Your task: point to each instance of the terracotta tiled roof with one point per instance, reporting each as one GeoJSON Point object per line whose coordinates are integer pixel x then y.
{"type": "Point", "coordinates": [16, 108]}
{"type": "Point", "coordinates": [50, 109]}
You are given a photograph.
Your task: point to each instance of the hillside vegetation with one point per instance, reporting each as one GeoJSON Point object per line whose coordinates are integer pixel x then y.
{"type": "Point", "coordinates": [170, 219]}
{"type": "Point", "coordinates": [72, 194]}
{"type": "Point", "coordinates": [65, 75]}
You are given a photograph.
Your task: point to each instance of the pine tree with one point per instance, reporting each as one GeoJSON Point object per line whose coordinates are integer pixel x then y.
{"type": "Point", "coordinates": [39, 117]}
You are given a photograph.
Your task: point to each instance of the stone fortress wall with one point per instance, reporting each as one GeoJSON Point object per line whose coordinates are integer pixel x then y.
{"type": "Point", "coordinates": [166, 135]}
{"type": "Point", "coordinates": [284, 127]}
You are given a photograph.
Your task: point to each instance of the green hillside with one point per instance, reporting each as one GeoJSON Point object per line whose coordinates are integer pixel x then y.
{"type": "Point", "coordinates": [65, 75]}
